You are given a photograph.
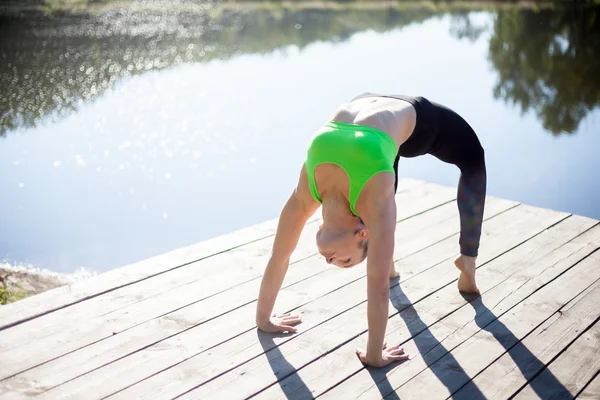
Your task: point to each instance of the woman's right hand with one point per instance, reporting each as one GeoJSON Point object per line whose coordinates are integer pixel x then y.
{"type": "Point", "coordinates": [282, 323]}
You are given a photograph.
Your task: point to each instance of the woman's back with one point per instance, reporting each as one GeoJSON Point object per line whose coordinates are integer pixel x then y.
{"type": "Point", "coordinates": [395, 117]}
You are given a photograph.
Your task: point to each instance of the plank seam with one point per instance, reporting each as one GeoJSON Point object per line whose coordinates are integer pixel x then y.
{"type": "Point", "coordinates": [588, 384]}
{"type": "Point", "coordinates": [331, 387]}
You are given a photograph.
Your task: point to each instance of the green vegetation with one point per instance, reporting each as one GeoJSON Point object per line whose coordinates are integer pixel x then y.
{"type": "Point", "coordinates": [549, 62]}
{"type": "Point", "coordinates": [10, 291]}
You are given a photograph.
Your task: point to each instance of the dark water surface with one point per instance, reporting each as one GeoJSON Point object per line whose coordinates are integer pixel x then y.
{"type": "Point", "coordinates": [126, 133]}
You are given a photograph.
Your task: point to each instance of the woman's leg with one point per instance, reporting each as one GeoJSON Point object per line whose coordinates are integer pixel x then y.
{"type": "Point", "coordinates": [458, 144]}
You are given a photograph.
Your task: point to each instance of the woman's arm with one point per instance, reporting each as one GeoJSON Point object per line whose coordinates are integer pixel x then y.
{"type": "Point", "coordinates": [298, 209]}
{"type": "Point", "coordinates": [380, 218]}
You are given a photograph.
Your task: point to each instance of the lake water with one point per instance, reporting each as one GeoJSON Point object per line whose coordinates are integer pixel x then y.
{"type": "Point", "coordinates": [130, 132]}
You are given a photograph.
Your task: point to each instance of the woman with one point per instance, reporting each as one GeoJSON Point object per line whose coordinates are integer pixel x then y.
{"type": "Point", "coordinates": [351, 170]}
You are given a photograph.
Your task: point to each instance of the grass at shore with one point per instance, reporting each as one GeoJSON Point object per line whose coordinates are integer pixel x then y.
{"type": "Point", "coordinates": [10, 291]}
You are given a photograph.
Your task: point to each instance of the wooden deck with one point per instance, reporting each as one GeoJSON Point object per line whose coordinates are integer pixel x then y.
{"type": "Point", "coordinates": [181, 325]}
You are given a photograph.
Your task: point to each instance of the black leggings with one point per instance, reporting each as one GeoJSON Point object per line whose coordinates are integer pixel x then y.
{"type": "Point", "coordinates": [444, 134]}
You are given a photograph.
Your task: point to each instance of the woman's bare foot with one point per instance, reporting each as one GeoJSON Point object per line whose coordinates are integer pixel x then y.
{"type": "Point", "coordinates": [466, 280]}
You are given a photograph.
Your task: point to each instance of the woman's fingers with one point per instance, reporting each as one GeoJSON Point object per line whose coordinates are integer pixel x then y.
{"type": "Point", "coordinates": [397, 351]}
{"type": "Point", "coordinates": [291, 319]}
{"type": "Point", "coordinates": [398, 357]}
{"type": "Point", "coordinates": [286, 315]}
{"type": "Point", "coordinates": [286, 328]}
{"type": "Point", "coordinates": [282, 323]}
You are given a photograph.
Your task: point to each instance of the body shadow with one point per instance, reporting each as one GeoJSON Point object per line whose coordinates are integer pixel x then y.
{"type": "Point", "coordinates": [541, 379]}
{"type": "Point", "coordinates": [287, 377]}
{"type": "Point", "coordinates": [448, 371]}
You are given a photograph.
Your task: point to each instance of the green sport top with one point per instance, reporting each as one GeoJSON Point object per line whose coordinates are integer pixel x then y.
{"type": "Point", "coordinates": [361, 151]}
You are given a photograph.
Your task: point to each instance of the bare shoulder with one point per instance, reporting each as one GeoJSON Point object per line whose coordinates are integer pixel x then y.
{"type": "Point", "coordinates": [393, 116]}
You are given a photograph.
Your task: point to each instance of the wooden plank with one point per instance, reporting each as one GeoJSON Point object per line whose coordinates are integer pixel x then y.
{"type": "Point", "coordinates": [139, 303]}
{"type": "Point", "coordinates": [454, 369]}
{"type": "Point", "coordinates": [312, 344]}
{"type": "Point", "coordinates": [575, 367]}
{"type": "Point", "coordinates": [592, 390]}
{"type": "Point", "coordinates": [497, 280]}
{"type": "Point", "coordinates": [69, 295]}
{"type": "Point", "coordinates": [565, 330]}
{"type": "Point", "coordinates": [161, 328]}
